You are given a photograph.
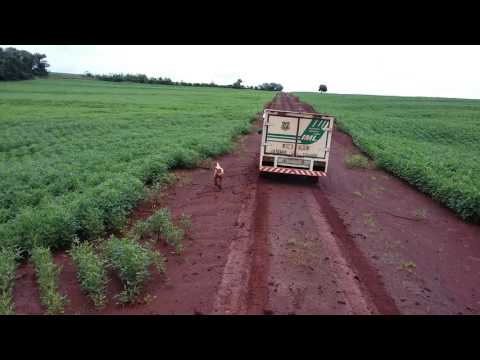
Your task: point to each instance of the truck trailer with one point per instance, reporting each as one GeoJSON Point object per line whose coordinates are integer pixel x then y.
{"type": "Point", "coordinates": [296, 143]}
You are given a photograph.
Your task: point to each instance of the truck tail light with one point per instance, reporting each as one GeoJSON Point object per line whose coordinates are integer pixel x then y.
{"type": "Point", "coordinates": [319, 166]}
{"type": "Point", "coordinates": [268, 161]}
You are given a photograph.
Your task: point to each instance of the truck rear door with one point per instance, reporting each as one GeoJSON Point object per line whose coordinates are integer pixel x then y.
{"type": "Point", "coordinates": [297, 135]}
{"type": "Point", "coordinates": [313, 138]}
{"type": "Point", "coordinates": [281, 135]}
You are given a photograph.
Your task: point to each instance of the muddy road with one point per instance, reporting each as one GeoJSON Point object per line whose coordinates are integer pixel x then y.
{"type": "Point", "coordinates": [292, 260]}
{"type": "Point", "coordinates": [357, 242]}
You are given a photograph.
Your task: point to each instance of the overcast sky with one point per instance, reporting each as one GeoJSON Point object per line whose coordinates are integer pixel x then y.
{"type": "Point", "coordinates": [438, 71]}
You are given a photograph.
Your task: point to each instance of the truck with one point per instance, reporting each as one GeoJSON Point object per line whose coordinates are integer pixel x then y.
{"type": "Point", "coordinates": [296, 143]}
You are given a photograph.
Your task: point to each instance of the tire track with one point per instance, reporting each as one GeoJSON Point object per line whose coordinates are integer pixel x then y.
{"type": "Point", "coordinates": [292, 254]}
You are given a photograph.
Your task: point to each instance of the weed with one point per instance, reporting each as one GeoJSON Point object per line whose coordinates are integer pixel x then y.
{"type": "Point", "coordinates": [357, 161]}
{"type": "Point", "coordinates": [421, 214]}
{"type": "Point", "coordinates": [377, 190]}
{"type": "Point", "coordinates": [185, 222]}
{"type": "Point", "coordinates": [148, 298]}
{"type": "Point", "coordinates": [292, 242]}
{"type": "Point", "coordinates": [369, 220]}
{"type": "Point", "coordinates": [408, 265]}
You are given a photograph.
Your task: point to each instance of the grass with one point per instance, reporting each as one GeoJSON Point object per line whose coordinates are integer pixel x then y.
{"type": "Point", "coordinates": [91, 272]}
{"type": "Point", "coordinates": [369, 220]}
{"type": "Point", "coordinates": [357, 161]}
{"type": "Point", "coordinates": [299, 249]}
{"type": "Point", "coordinates": [358, 193]}
{"type": "Point", "coordinates": [185, 222]}
{"type": "Point", "coordinates": [8, 267]}
{"type": "Point", "coordinates": [421, 214]}
{"type": "Point", "coordinates": [408, 266]}
{"type": "Point", "coordinates": [292, 242]}
{"type": "Point", "coordinates": [131, 262]}
{"type": "Point", "coordinates": [430, 142]}
{"type": "Point", "coordinates": [47, 273]}
{"type": "Point", "coordinates": [75, 155]}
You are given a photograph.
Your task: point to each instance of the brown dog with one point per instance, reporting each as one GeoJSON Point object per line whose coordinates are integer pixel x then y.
{"type": "Point", "coordinates": [218, 176]}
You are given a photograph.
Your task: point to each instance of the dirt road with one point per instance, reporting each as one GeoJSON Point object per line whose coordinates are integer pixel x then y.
{"type": "Point", "coordinates": [358, 242]}
{"type": "Point", "coordinates": [294, 263]}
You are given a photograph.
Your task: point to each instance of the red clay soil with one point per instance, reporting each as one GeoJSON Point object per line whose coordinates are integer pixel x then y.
{"type": "Point", "coordinates": [426, 257]}
{"type": "Point", "coordinates": [358, 242]}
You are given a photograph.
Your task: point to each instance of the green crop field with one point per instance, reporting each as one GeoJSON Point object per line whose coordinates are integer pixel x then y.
{"type": "Point", "coordinates": [432, 143]}
{"type": "Point", "coordinates": [75, 154]}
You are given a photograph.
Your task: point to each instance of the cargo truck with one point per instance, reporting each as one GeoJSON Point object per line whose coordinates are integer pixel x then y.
{"type": "Point", "coordinates": [296, 143]}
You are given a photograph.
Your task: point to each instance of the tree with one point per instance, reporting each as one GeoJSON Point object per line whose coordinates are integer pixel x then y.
{"type": "Point", "coordinates": [237, 84]}
{"type": "Point", "coordinates": [270, 87]}
{"type": "Point", "coordinates": [39, 65]}
{"type": "Point", "coordinates": [20, 64]}
{"type": "Point", "coordinates": [322, 88]}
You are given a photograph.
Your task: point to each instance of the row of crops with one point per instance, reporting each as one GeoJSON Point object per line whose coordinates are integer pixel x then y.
{"type": "Point", "coordinates": [432, 143]}
{"type": "Point", "coordinates": [75, 155]}
{"type": "Point", "coordinates": [131, 258]}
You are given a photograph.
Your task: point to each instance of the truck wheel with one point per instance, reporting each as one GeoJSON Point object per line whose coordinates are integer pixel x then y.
{"type": "Point", "coordinates": [313, 179]}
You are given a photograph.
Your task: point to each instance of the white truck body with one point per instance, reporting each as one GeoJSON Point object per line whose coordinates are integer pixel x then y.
{"type": "Point", "coordinates": [295, 143]}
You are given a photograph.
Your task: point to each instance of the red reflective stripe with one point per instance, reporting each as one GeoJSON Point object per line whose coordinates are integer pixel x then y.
{"type": "Point", "coordinates": [292, 171]}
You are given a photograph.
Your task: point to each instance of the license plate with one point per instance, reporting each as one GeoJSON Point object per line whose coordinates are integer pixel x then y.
{"type": "Point", "coordinates": [291, 161]}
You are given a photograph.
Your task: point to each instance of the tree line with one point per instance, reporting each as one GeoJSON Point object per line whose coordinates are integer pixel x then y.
{"type": "Point", "coordinates": [143, 79]}
{"type": "Point", "coordinates": [21, 64]}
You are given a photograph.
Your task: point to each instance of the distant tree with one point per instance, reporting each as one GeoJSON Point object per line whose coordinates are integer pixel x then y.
{"type": "Point", "coordinates": [237, 84]}
{"type": "Point", "coordinates": [142, 78]}
{"type": "Point", "coordinates": [322, 88]}
{"type": "Point", "coordinates": [269, 87]}
{"type": "Point", "coordinates": [277, 87]}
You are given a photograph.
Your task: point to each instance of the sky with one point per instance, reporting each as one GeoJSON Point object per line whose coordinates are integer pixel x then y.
{"type": "Point", "coordinates": [420, 70]}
